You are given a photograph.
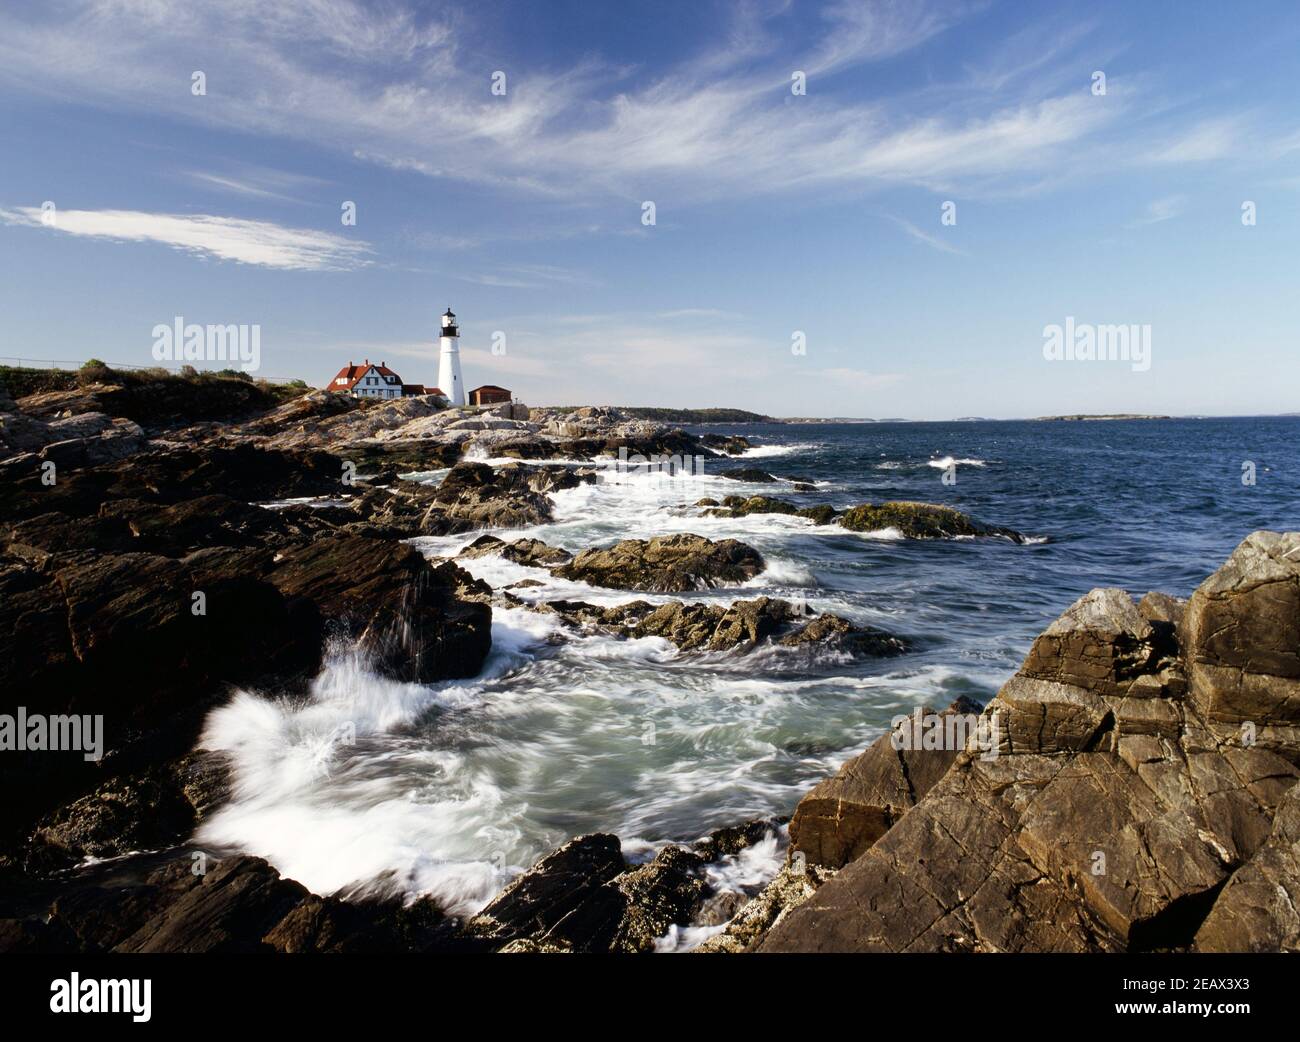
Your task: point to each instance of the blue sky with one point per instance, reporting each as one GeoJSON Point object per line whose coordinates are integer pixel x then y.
{"type": "Point", "coordinates": [776, 213]}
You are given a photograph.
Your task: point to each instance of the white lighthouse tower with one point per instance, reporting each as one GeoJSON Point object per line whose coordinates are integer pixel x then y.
{"type": "Point", "coordinates": [450, 382]}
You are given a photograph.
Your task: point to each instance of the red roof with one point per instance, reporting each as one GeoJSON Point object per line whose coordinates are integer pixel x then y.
{"type": "Point", "coordinates": [489, 387]}
{"type": "Point", "coordinates": [350, 374]}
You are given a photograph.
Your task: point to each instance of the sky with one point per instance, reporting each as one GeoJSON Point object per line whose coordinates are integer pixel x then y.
{"type": "Point", "coordinates": [866, 209]}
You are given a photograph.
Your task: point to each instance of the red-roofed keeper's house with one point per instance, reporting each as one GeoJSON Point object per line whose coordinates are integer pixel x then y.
{"type": "Point", "coordinates": [369, 380]}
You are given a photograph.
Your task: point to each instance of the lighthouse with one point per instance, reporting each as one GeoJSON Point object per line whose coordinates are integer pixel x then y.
{"type": "Point", "coordinates": [450, 382]}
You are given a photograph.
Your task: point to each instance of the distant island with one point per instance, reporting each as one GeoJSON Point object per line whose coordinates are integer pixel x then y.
{"type": "Point", "coordinates": [1105, 416]}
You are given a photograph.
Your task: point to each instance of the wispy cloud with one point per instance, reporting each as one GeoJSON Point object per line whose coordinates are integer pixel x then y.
{"type": "Point", "coordinates": [1208, 140]}
{"type": "Point", "coordinates": [933, 241]}
{"type": "Point", "coordinates": [528, 276]}
{"type": "Point", "coordinates": [1163, 210]}
{"type": "Point", "coordinates": [255, 182]}
{"type": "Point", "coordinates": [408, 89]}
{"type": "Point", "coordinates": [262, 243]}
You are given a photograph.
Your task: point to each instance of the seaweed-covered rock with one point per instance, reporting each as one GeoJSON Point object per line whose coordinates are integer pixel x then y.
{"type": "Point", "coordinates": [665, 564]}
{"type": "Point", "coordinates": [741, 626]}
{"type": "Point", "coordinates": [919, 521]}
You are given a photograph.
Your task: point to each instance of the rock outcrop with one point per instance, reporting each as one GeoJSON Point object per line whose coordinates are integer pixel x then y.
{"type": "Point", "coordinates": [665, 564]}
{"type": "Point", "coordinates": [908, 519]}
{"type": "Point", "coordinates": [487, 497]}
{"type": "Point", "coordinates": [584, 897]}
{"type": "Point", "coordinates": [141, 589]}
{"type": "Point", "coordinates": [844, 815]}
{"type": "Point", "coordinates": [530, 552]}
{"type": "Point", "coordinates": [920, 521]}
{"type": "Point", "coordinates": [193, 903]}
{"type": "Point", "coordinates": [1142, 795]}
{"type": "Point", "coordinates": [742, 626]}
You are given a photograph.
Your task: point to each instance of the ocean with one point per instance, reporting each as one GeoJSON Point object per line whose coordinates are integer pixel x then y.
{"type": "Point", "coordinates": [371, 785]}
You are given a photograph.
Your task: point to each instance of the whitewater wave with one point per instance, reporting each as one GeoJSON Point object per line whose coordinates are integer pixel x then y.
{"type": "Point", "coordinates": [765, 451]}
{"type": "Point", "coordinates": [373, 786]}
{"type": "Point", "coordinates": [889, 534]}
{"type": "Point", "coordinates": [948, 461]}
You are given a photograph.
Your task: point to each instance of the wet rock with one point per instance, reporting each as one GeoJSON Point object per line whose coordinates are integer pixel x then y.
{"type": "Point", "coordinates": [740, 627]}
{"type": "Point", "coordinates": [729, 841]}
{"type": "Point", "coordinates": [738, 506]}
{"type": "Point", "coordinates": [791, 887]}
{"type": "Point", "coordinates": [656, 895]}
{"type": "Point", "coordinates": [153, 809]}
{"type": "Point", "coordinates": [912, 520]}
{"type": "Point", "coordinates": [531, 552]}
{"type": "Point", "coordinates": [728, 444]}
{"type": "Point", "coordinates": [700, 626]}
{"type": "Point", "coordinates": [584, 898]}
{"type": "Point", "coordinates": [690, 626]}
{"type": "Point", "coordinates": [919, 521]}
{"type": "Point", "coordinates": [400, 609]}
{"type": "Point", "coordinates": [561, 900]}
{"type": "Point", "coordinates": [132, 626]}
{"type": "Point", "coordinates": [488, 498]}
{"type": "Point", "coordinates": [822, 514]}
{"type": "Point", "coordinates": [191, 904]}
{"type": "Point", "coordinates": [831, 631]}
{"type": "Point", "coordinates": [230, 908]}
{"type": "Point", "coordinates": [406, 507]}
{"type": "Point", "coordinates": [751, 474]}
{"type": "Point", "coordinates": [720, 909]}
{"type": "Point", "coordinates": [665, 564]}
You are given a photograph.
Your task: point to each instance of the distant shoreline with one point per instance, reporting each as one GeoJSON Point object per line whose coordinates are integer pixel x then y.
{"type": "Point", "coordinates": [1106, 416]}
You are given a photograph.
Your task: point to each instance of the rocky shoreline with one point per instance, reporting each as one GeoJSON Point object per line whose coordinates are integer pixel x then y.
{"type": "Point", "coordinates": [150, 564]}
